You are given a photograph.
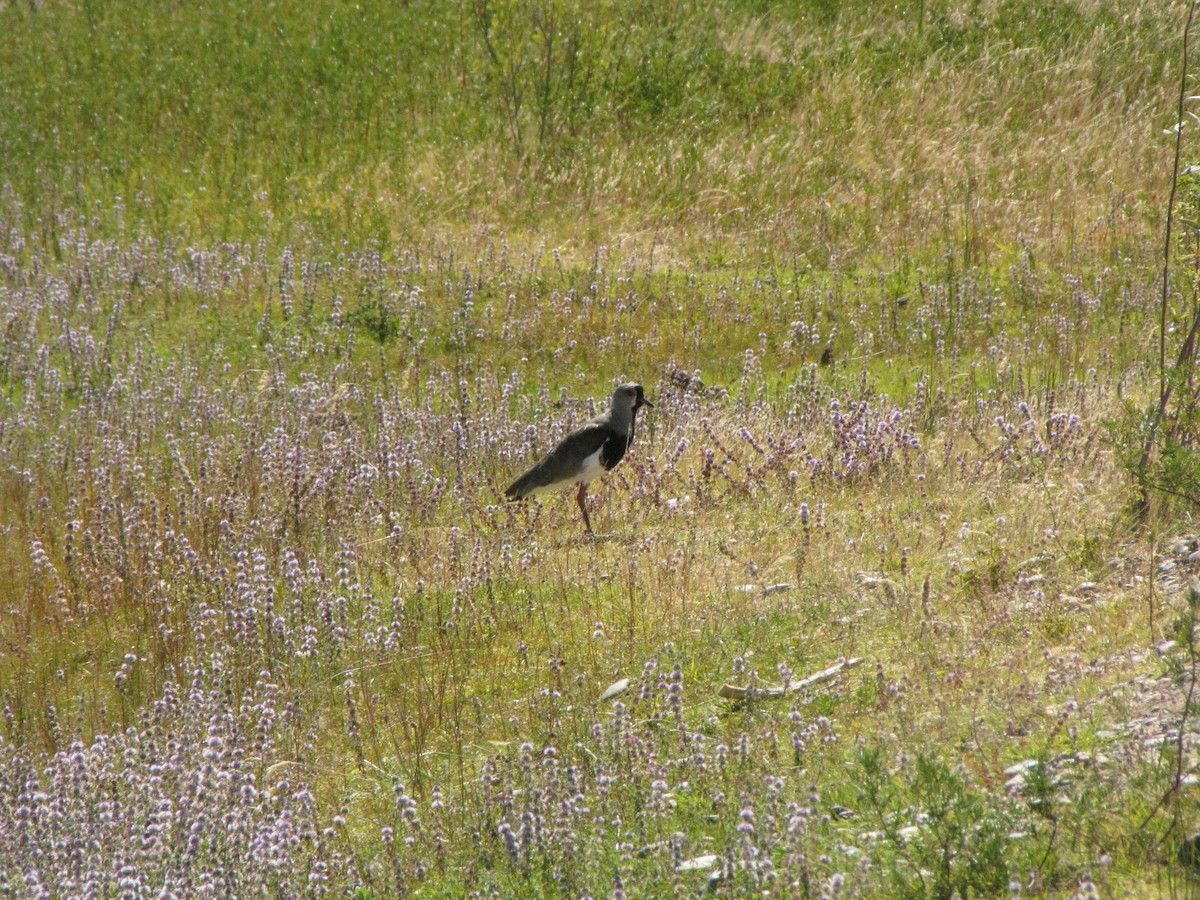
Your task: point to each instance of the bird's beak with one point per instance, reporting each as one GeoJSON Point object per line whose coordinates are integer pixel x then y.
{"type": "Point", "coordinates": [644, 402]}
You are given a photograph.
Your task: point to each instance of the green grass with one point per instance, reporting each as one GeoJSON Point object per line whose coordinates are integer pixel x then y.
{"type": "Point", "coordinates": [711, 133]}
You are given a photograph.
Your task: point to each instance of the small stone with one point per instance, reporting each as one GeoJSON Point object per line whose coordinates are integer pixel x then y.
{"type": "Point", "coordinates": [615, 689]}
{"type": "Point", "coordinates": [697, 863]}
{"type": "Point", "coordinates": [1194, 558]}
{"type": "Point", "coordinates": [1021, 768]}
{"type": "Point", "coordinates": [1088, 587]}
{"type": "Point", "coordinates": [872, 578]}
{"type": "Point", "coordinates": [778, 588]}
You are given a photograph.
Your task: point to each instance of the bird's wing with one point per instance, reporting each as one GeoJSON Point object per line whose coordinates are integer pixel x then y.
{"type": "Point", "coordinates": [564, 461]}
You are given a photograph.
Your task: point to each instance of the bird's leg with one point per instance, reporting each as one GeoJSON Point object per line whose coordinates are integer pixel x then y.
{"type": "Point", "coordinates": [582, 498]}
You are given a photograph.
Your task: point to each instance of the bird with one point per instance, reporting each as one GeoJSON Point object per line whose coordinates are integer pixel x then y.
{"type": "Point", "coordinates": [586, 452]}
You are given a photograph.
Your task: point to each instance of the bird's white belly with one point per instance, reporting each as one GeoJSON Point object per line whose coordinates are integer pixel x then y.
{"type": "Point", "coordinates": [589, 469]}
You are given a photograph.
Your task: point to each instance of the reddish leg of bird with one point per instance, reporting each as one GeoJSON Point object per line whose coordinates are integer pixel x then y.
{"type": "Point", "coordinates": [582, 498]}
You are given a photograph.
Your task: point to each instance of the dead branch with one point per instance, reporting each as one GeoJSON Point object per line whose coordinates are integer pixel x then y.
{"type": "Point", "coordinates": [733, 692]}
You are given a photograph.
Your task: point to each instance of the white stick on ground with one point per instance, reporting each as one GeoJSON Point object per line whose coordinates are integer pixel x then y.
{"type": "Point", "coordinates": [733, 692]}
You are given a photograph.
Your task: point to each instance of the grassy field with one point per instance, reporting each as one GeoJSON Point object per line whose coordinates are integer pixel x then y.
{"type": "Point", "coordinates": [291, 292]}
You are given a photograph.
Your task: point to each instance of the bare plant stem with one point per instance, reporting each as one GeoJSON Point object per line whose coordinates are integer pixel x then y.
{"type": "Point", "coordinates": [1164, 388]}
{"type": "Point", "coordinates": [1153, 571]}
{"type": "Point", "coordinates": [1166, 280]}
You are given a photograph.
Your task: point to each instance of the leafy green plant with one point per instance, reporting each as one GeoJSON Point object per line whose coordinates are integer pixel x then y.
{"type": "Point", "coordinates": [946, 836]}
{"type": "Point", "coordinates": [540, 59]}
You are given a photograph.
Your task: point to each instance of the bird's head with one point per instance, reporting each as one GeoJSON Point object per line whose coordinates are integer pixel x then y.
{"type": "Point", "coordinates": [630, 397]}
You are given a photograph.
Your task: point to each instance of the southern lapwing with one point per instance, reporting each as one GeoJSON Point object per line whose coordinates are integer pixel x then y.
{"type": "Point", "coordinates": [586, 452]}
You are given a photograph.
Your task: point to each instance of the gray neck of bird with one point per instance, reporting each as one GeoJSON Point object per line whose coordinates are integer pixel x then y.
{"type": "Point", "coordinates": [622, 419]}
